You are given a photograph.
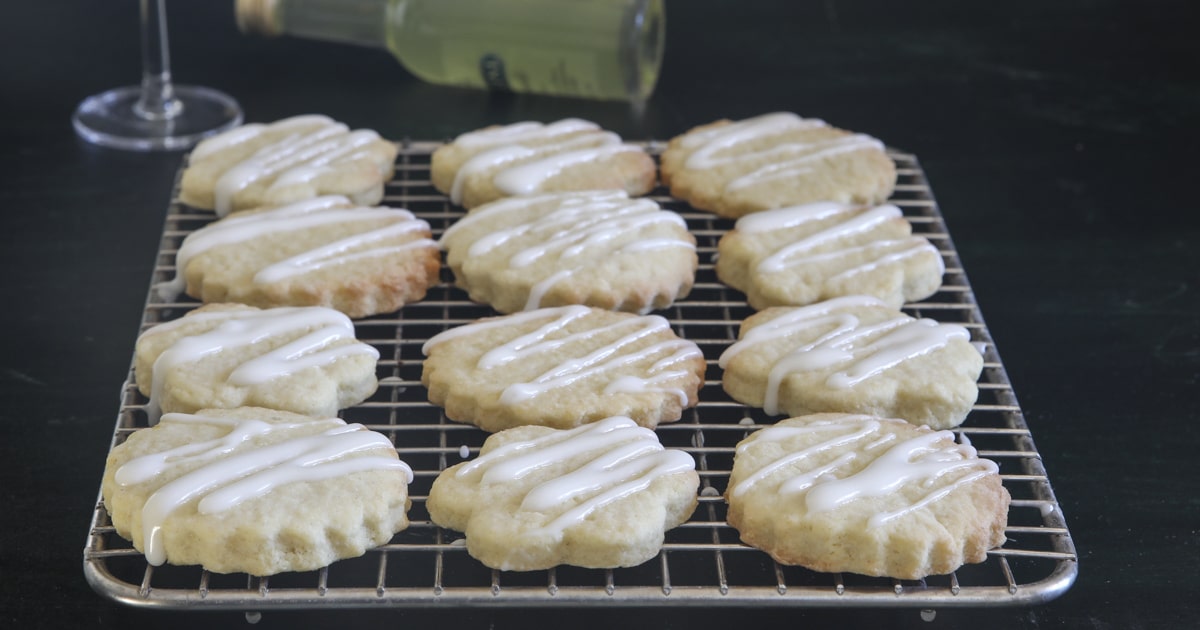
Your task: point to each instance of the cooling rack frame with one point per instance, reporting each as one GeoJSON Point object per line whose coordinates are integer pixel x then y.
{"type": "Point", "coordinates": [702, 563]}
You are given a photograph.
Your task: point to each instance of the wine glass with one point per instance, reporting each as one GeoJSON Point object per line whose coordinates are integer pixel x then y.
{"type": "Point", "coordinates": [157, 115]}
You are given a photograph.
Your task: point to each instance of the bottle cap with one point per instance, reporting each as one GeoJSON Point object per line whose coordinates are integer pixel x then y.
{"type": "Point", "coordinates": [258, 16]}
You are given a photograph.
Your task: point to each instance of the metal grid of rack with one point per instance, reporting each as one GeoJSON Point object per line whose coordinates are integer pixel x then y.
{"type": "Point", "coordinates": [702, 563]}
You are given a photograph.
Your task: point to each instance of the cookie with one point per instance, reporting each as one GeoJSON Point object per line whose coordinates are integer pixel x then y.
{"type": "Point", "coordinates": [300, 359]}
{"type": "Point", "coordinates": [286, 161]}
{"type": "Point", "coordinates": [867, 495]}
{"type": "Point", "coordinates": [255, 491]}
{"type": "Point", "coordinates": [598, 248]}
{"type": "Point", "coordinates": [562, 367]}
{"type": "Point", "coordinates": [773, 161]}
{"type": "Point", "coordinates": [853, 355]}
{"type": "Point", "coordinates": [803, 254]}
{"type": "Point", "coordinates": [598, 496]}
{"type": "Point", "coordinates": [530, 157]}
{"type": "Point", "coordinates": [319, 252]}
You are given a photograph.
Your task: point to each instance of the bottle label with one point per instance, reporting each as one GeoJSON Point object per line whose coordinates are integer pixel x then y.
{"type": "Point", "coordinates": [566, 73]}
{"type": "Point", "coordinates": [491, 68]}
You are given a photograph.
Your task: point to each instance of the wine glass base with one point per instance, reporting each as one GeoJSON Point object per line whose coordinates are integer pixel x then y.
{"type": "Point", "coordinates": [109, 119]}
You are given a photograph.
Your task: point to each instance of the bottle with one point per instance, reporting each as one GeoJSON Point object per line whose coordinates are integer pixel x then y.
{"type": "Point", "coordinates": [600, 49]}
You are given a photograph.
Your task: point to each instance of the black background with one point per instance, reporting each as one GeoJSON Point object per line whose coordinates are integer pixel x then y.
{"type": "Point", "coordinates": [1059, 137]}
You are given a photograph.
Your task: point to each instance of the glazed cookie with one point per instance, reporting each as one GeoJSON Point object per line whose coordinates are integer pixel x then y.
{"type": "Point", "coordinates": [300, 359]}
{"type": "Point", "coordinates": [773, 161]}
{"type": "Point", "coordinates": [853, 355]}
{"type": "Point", "coordinates": [255, 491]}
{"type": "Point", "coordinates": [867, 495]}
{"type": "Point", "coordinates": [598, 248]}
{"type": "Point", "coordinates": [286, 161]}
{"type": "Point", "coordinates": [802, 254]}
{"type": "Point", "coordinates": [598, 496]}
{"type": "Point", "coordinates": [562, 367]}
{"type": "Point", "coordinates": [529, 158]}
{"type": "Point", "coordinates": [318, 252]}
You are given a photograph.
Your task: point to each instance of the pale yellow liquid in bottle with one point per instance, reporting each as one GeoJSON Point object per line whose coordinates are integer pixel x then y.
{"type": "Point", "coordinates": [604, 49]}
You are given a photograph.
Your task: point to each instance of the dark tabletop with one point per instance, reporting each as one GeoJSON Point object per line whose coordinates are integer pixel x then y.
{"type": "Point", "coordinates": [1059, 137]}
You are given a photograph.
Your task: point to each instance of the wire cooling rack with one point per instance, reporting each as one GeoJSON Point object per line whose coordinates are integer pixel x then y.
{"type": "Point", "coordinates": [702, 563]}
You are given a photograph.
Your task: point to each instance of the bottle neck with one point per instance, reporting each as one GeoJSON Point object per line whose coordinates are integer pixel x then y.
{"type": "Point", "coordinates": [358, 22]}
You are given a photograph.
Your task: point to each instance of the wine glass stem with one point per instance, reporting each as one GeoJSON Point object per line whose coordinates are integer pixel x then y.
{"type": "Point", "coordinates": [158, 100]}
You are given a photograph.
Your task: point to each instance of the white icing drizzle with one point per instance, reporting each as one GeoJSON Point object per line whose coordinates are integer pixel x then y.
{"type": "Point", "coordinates": [581, 228]}
{"type": "Point", "coordinates": [326, 327]}
{"type": "Point", "coordinates": [714, 139]}
{"type": "Point", "coordinates": [220, 142]}
{"type": "Point", "coordinates": [915, 462]}
{"type": "Point", "coordinates": [526, 179]}
{"type": "Point", "coordinates": [297, 157]}
{"type": "Point", "coordinates": [344, 251]}
{"type": "Point", "coordinates": [538, 157]}
{"type": "Point", "coordinates": [581, 221]}
{"type": "Point", "coordinates": [782, 160]}
{"type": "Point", "coordinates": [796, 315]}
{"type": "Point", "coordinates": [855, 352]}
{"type": "Point", "coordinates": [538, 292]}
{"type": "Point", "coordinates": [147, 467]}
{"type": "Point", "coordinates": [793, 167]}
{"type": "Point", "coordinates": [887, 252]}
{"type": "Point", "coordinates": [602, 362]}
{"type": "Point", "coordinates": [226, 471]}
{"type": "Point", "coordinates": [553, 158]}
{"type": "Point", "coordinates": [238, 135]}
{"type": "Point", "coordinates": [849, 435]}
{"type": "Point", "coordinates": [482, 162]}
{"type": "Point", "coordinates": [789, 217]}
{"type": "Point", "coordinates": [560, 317]}
{"type": "Point", "coordinates": [877, 254]}
{"type": "Point", "coordinates": [856, 224]}
{"type": "Point", "coordinates": [617, 459]}
{"type": "Point", "coordinates": [321, 211]}
{"type": "Point", "coordinates": [635, 384]}
{"type": "Point", "coordinates": [523, 132]}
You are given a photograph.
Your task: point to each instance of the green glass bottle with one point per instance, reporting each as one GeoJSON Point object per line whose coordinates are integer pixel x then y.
{"type": "Point", "coordinates": [601, 49]}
